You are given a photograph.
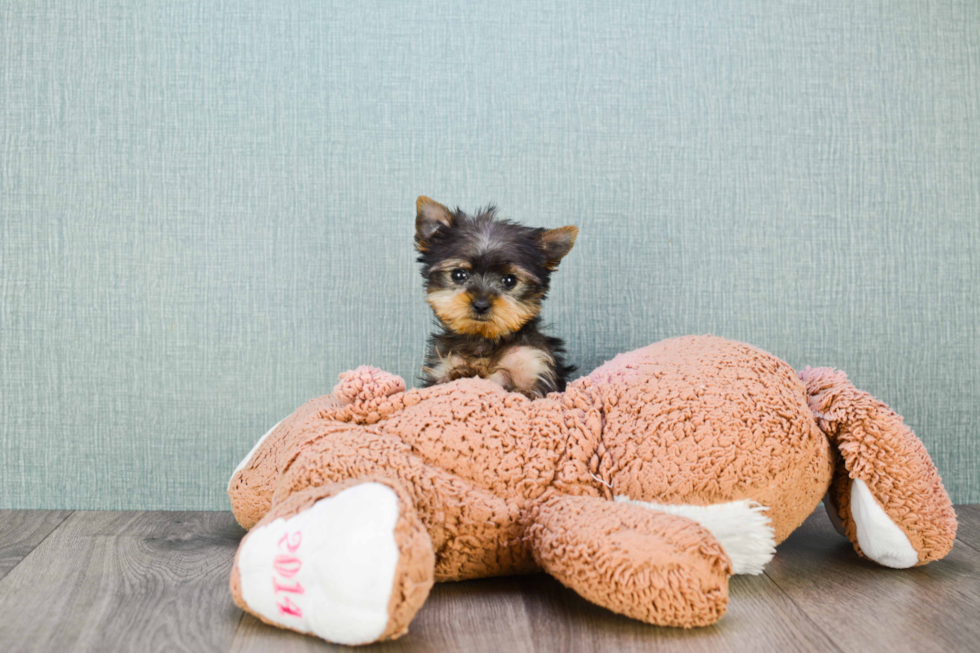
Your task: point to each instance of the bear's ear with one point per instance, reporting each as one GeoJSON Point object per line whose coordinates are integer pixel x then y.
{"type": "Point", "coordinates": [556, 243]}
{"type": "Point", "coordinates": [431, 216]}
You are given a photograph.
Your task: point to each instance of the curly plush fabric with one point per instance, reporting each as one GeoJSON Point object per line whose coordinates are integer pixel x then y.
{"type": "Point", "coordinates": [647, 565]}
{"type": "Point", "coordinates": [688, 429]}
{"type": "Point", "coordinates": [876, 447]}
{"type": "Point", "coordinates": [413, 577]}
{"type": "Point", "coordinates": [722, 421]}
{"type": "Point", "coordinates": [251, 492]}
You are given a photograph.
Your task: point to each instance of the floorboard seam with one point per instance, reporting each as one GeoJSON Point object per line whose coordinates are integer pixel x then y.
{"type": "Point", "coordinates": [967, 545]}
{"type": "Point", "coordinates": [34, 548]}
{"type": "Point", "coordinates": [238, 625]}
{"type": "Point", "coordinates": [830, 640]}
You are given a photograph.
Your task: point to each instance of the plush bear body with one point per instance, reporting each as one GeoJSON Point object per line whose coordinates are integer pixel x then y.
{"type": "Point", "coordinates": [643, 487]}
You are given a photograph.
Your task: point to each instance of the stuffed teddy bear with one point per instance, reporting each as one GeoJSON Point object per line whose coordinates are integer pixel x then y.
{"type": "Point", "coordinates": [642, 487]}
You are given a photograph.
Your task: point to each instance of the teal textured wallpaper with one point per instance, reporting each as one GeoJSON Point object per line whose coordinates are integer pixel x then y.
{"type": "Point", "coordinates": [206, 208]}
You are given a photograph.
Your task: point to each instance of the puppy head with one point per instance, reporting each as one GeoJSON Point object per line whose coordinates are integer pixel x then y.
{"type": "Point", "coordinates": [483, 275]}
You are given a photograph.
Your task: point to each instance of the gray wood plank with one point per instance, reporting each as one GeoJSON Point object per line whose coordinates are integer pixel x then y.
{"type": "Point", "coordinates": [22, 530]}
{"type": "Point", "coordinates": [968, 531]}
{"type": "Point", "coordinates": [535, 613]}
{"type": "Point", "coordinates": [482, 615]}
{"type": "Point", "coordinates": [864, 607]}
{"type": "Point", "coordinates": [759, 618]}
{"type": "Point", "coordinates": [158, 581]}
{"type": "Point", "coordinates": [133, 581]}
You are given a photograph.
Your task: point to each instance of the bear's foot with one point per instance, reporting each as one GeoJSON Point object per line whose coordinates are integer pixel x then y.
{"type": "Point", "coordinates": [879, 537]}
{"type": "Point", "coordinates": [886, 495]}
{"type": "Point", "coordinates": [349, 563]}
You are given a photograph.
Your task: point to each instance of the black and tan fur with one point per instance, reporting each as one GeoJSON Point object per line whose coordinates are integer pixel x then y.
{"type": "Point", "coordinates": [485, 279]}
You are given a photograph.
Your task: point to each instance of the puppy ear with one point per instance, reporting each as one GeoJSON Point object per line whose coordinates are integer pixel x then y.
{"type": "Point", "coordinates": [556, 243]}
{"type": "Point", "coordinates": [430, 217]}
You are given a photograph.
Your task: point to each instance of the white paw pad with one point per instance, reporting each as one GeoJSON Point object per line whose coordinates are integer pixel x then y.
{"type": "Point", "coordinates": [328, 570]}
{"type": "Point", "coordinates": [878, 536]}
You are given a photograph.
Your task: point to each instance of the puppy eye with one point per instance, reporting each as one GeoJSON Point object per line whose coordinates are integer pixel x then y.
{"type": "Point", "coordinates": [459, 275]}
{"type": "Point", "coordinates": [509, 281]}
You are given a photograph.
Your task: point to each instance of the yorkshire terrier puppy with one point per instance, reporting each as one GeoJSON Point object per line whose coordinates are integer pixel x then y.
{"type": "Point", "coordinates": [485, 278]}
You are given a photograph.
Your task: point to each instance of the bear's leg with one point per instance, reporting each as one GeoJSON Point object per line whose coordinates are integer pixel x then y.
{"type": "Point", "coordinates": [474, 532]}
{"type": "Point", "coordinates": [360, 396]}
{"type": "Point", "coordinates": [349, 562]}
{"type": "Point", "coordinates": [662, 569]}
{"type": "Point", "coordinates": [886, 493]}
{"type": "Point", "coordinates": [254, 480]}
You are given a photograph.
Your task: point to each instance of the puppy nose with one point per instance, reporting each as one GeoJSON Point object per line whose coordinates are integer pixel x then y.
{"type": "Point", "coordinates": [481, 305]}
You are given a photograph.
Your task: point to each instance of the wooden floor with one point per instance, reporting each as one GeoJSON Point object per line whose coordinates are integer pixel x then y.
{"type": "Point", "coordinates": [158, 581]}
